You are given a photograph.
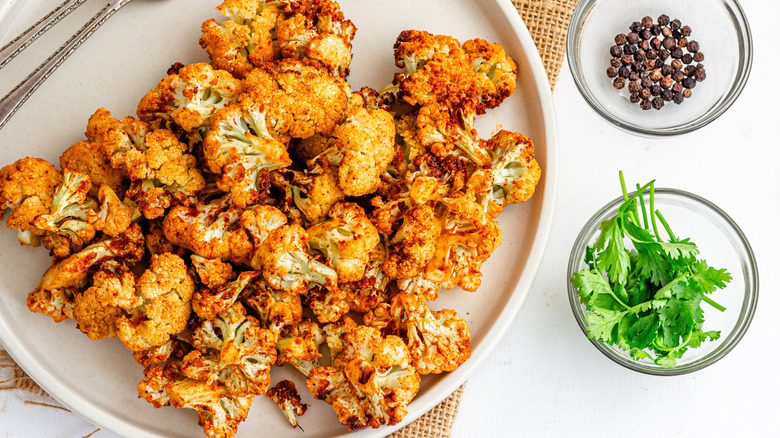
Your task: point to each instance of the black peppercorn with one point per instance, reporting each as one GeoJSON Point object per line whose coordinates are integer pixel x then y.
{"type": "Point", "coordinates": [659, 62]}
{"type": "Point", "coordinates": [623, 71]}
{"type": "Point", "coordinates": [689, 83]}
{"type": "Point", "coordinates": [619, 83]}
{"type": "Point", "coordinates": [656, 90]}
{"type": "Point", "coordinates": [700, 74]}
{"type": "Point", "coordinates": [652, 54]}
{"type": "Point", "coordinates": [689, 70]}
{"type": "Point", "coordinates": [647, 22]}
{"type": "Point", "coordinates": [635, 26]}
{"type": "Point", "coordinates": [669, 43]}
{"type": "Point", "coordinates": [666, 82]}
{"type": "Point", "coordinates": [632, 37]}
{"type": "Point", "coordinates": [646, 82]}
{"type": "Point", "coordinates": [648, 64]}
{"type": "Point", "coordinates": [666, 31]}
{"type": "Point", "coordinates": [687, 58]}
{"type": "Point", "coordinates": [678, 75]}
{"type": "Point", "coordinates": [656, 75]}
{"type": "Point", "coordinates": [663, 20]}
{"type": "Point", "coordinates": [663, 54]}
{"type": "Point", "coordinates": [655, 43]}
{"type": "Point", "coordinates": [666, 70]}
{"type": "Point", "coordinates": [678, 98]}
{"type": "Point", "coordinates": [693, 46]}
{"type": "Point", "coordinates": [678, 87]}
{"type": "Point", "coordinates": [616, 50]}
{"type": "Point", "coordinates": [634, 98]}
{"type": "Point", "coordinates": [627, 59]}
{"type": "Point", "coordinates": [698, 57]}
{"type": "Point", "coordinates": [667, 95]}
{"type": "Point", "coordinates": [620, 39]}
{"type": "Point", "coordinates": [677, 64]}
{"type": "Point", "coordinates": [682, 42]}
{"type": "Point", "coordinates": [675, 24]}
{"type": "Point", "coordinates": [656, 30]}
{"type": "Point", "coordinates": [611, 72]}
{"type": "Point", "coordinates": [615, 62]}
{"type": "Point", "coordinates": [645, 34]}
{"type": "Point", "coordinates": [634, 86]}
{"type": "Point", "coordinates": [630, 48]}
{"type": "Point", "coordinates": [658, 103]}
{"type": "Point", "coordinates": [645, 104]}
{"type": "Point", "coordinates": [637, 67]}
{"type": "Point", "coordinates": [676, 34]}
{"type": "Point", "coordinates": [633, 76]}
{"type": "Point", "coordinates": [685, 31]}
{"type": "Point", "coordinates": [677, 53]}
{"type": "Point", "coordinates": [687, 93]}
{"type": "Point", "coordinates": [644, 93]}
{"type": "Point", "coordinates": [644, 45]}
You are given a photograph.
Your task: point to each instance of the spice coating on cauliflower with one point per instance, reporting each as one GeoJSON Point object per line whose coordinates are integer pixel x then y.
{"type": "Point", "coordinates": [166, 289]}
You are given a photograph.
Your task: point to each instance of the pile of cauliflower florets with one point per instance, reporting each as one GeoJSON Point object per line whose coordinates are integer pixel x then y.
{"type": "Point", "coordinates": [257, 209]}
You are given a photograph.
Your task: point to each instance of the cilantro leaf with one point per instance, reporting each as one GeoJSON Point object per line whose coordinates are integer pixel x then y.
{"type": "Point", "coordinates": [602, 323]}
{"type": "Point", "coordinates": [644, 331]}
{"type": "Point", "coordinates": [613, 258]}
{"type": "Point", "coordinates": [710, 279]}
{"type": "Point", "coordinates": [680, 249]}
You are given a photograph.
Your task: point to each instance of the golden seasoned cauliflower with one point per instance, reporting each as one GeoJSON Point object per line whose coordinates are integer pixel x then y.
{"type": "Point", "coordinates": [92, 159]}
{"type": "Point", "coordinates": [234, 350]}
{"type": "Point", "coordinates": [311, 192]}
{"type": "Point", "coordinates": [219, 411]}
{"type": "Point", "coordinates": [258, 31]}
{"type": "Point", "coordinates": [166, 289]}
{"type": "Point", "coordinates": [298, 345]}
{"type": "Point", "coordinates": [111, 296]}
{"type": "Point", "coordinates": [27, 189]}
{"type": "Point", "coordinates": [438, 341]}
{"type": "Point", "coordinates": [209, 303]}
{"type": "Point", "coordinates": [188, 98]}
{"type": "Point", "coordinates": [345, 240]}
{"type": "Point", "coordinates": [371, 380]}
{"type": "Point", "coordinates": [210, 229]}
{"type": "Point", "coordinates": [275, 308]}
{"type": "Point", "coordinates": [213, 273]}
{"type": "Point", "coordinates": [413, 244]}
{"type": "Point", "coordinates": [300, 98]}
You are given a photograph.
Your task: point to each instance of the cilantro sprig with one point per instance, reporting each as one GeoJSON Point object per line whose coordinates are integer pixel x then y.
{"type": "Point", "coordinates": [644, 292]}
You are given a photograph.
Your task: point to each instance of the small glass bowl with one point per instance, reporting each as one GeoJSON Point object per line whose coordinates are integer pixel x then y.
{"type": "Point", "coordinates": [721, 243]}
{"type": "Point", "coordinates": [721, 28]}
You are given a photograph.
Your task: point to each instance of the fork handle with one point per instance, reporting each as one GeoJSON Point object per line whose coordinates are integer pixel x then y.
{"type": "Point", "coordinates": [15, 46]}
{"type": "Point", "coordinates": [19, 95]}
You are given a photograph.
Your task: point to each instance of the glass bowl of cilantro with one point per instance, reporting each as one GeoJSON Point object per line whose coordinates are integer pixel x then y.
{"type": "Point", "coordinates": [662, 281]}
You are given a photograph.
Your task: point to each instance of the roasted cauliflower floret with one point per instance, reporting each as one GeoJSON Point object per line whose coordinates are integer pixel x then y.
{"type": "Point", "coordinates": [210, 229]}
{"type": "Point", "coordinates": [234, 350]}
{"type": "Point", "coordinates": [467, 239]}
{"type": "Point", "coordinates": [113, 215]}
{"type": "Point", "coordinates": [111, 296]}
{"type": "Point", "coordinates": [300, 98]}
{"type": "Point", "coordinates": [213, 273]}
{"type": "Point", "coordinates": [242, 150]}
{"type": "Point", "coordinates": [299, 345]}
{"type": "Point", "coordinates": [188, 98]}
{"type": "Point", "coordinates": [258, 31]}
{"type": "Point", "coordinates": [345, 240]}
{"type": "Point", "coordinates": [166, 289]}
{"type": "Point", "coordinates": [437, 70]}
{"type": "Point", "coordinates": [55, 293]}
{"type": "Point", "coordinates": [275, 308]}
{"type": "Point", "coordinates": [115, 137]}
{"type": "Point", "coordinates": [513, 173]}
{"type": "Point", "coordinates": [413, 244]}
{"type": "Point", "coordinates": [374, 287]}
{"type": "Point", "coordinates": [209, 303]}
{"type": "Point", "coordinates": [27, 188]}
{"type": "Point", "coordinates": [219, 411]}
{"type": "Point", "coordinates": [286, 396]}
{"type": "Point", "coordinates": [91, 158]}
{"type": "Point", "coordinates": [312, 192]}
{"type": "Point", "coordinates": [438, 340]}
{"type": "Point", "coordinates": [370, 382]}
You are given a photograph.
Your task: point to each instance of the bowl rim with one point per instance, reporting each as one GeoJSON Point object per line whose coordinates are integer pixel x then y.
{"type": "Point", "coordinates": [579, 16]}
{"type": "Point", "coordinates": [747, 311]}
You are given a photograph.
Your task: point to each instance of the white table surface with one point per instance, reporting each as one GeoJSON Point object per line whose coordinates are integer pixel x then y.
{"type": "Point", "coordinates": [545, 378]}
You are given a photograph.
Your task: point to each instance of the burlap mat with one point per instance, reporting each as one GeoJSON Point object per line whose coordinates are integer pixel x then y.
{"type": "Point", "coordinates": [547, 21]}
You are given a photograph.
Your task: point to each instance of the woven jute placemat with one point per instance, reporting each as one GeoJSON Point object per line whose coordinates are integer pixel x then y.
{"type": "Point", "coordinates": [547, 21]}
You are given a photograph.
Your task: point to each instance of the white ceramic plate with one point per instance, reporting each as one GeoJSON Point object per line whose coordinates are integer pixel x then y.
{"type": "Point", "coordinates": [124, 59]}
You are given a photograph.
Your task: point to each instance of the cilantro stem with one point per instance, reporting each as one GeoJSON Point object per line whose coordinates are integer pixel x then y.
{"type": "Point", "coordinates": [652, 208]}
{"type": "Point", "coordinates": [712, 303]}
{"type": "Point", "coordinates": [672, 237]}
{"type": "Point", "coordinates": [632, 214]}
{"type": "Point", "coordinates": [642, 203]}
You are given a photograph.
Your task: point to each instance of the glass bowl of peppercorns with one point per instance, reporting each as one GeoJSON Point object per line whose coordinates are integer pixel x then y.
{"type": "Point", "coordinates": [659, 67]}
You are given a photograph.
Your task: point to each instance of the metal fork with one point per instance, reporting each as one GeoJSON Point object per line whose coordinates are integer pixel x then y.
{"type": "Point", "coordinates": [15, 46]}
{"type": "Point", "coordinates": [19, 95]}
